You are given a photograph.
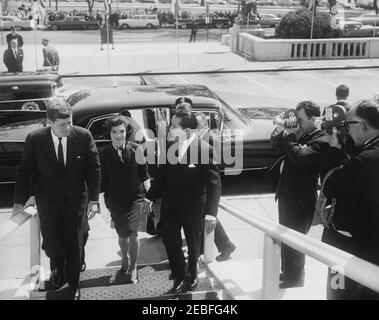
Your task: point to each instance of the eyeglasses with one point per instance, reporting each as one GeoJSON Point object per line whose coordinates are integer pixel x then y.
{"type": "Point", "coordinates": [348, 123]}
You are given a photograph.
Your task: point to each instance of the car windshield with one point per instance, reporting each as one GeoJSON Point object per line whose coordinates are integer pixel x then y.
{"type": "Point", "coordinates": [18, 92]}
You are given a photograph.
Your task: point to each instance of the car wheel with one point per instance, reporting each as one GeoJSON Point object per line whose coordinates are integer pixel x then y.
{"type": "Point", "coordinates": [219, 25]}
{"type": "Point", "coordinates": [125, 26]}
{"type": "Point", "coordinates": [183, 25]}
{"type": "Point", "coordinates": [54, 28]}
{"type": "Point", "coordinates": [149, 26]}
{"type": "Point", "coordinates": [85, 27]}
{"type": "Point", "coordinates": [30, 106]}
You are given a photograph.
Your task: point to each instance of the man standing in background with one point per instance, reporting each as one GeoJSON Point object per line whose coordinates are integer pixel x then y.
{"type": "Point", "coordinates": [50, 55]}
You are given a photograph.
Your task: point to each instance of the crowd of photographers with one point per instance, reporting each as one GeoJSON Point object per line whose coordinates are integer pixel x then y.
{"type": "Point", "coordinates": [341, 148]}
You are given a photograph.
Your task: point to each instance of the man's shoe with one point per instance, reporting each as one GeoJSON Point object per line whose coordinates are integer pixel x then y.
{"type": "Point", "coordinates": [179, 286]}
{"type": "Point", "coordinates": [292, 283]}
{"type": "Point", "coordinates": [192, 284]}
{"type": "Point", "coordinates": [56, 279]}
{"type": "Point", "coordinates": [224, 255]}
{"type": "Point", "coordinates": [83, 267]}
{"type": "Point", "coordinates": [75, 293]}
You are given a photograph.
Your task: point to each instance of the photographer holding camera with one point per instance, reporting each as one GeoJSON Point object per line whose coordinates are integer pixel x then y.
{"type": "Point", "coordinates": [305, 147]}
{"type": "Point", "coordinates": [354, 186]}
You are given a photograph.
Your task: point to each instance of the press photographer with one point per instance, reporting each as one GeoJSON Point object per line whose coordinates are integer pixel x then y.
{"type": "Point", "coordinates": [354, 187]}
{"type": "Point", "coordinates": [304, 145]}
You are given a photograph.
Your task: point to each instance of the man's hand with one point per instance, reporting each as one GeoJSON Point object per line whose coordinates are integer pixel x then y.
{"type": "Point", "coordinates": [209, 225]}
{"type": "Point", "coordinates": [146, 206]}
{"type": "Point", "coordinates": [333, 139]}
{"type": "Point", "coordinates": [92, 209]}
{"type": "Point", "coordinates": [31, 202]}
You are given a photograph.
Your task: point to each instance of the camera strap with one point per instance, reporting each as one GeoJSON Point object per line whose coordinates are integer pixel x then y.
{"type": "Point", "coordinates": [324, 209]}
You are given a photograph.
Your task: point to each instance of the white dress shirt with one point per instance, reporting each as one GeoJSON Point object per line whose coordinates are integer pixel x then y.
{"type": "Point", "coordinates": [56, 143]}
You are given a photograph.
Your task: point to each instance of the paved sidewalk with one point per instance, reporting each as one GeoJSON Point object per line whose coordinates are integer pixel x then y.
{"type": "Point", "coordinates": [162, 57]}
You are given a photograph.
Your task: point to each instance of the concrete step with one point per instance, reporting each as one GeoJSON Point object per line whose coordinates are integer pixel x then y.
{"type": "Point", "coordinates": [154, 283]}
{"type": "Point", "coordinates": [242, 280]}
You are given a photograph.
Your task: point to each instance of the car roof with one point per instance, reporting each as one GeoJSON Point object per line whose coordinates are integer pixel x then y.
{"type": "Point", "coordinates": [24, 78]}
{"type": "Point", "coordinates": [115, 98]}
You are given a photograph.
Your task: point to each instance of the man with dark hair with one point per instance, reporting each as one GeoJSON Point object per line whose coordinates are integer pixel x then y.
{"type": "Point", "coordinates": [13, 57]}
{"type": "Point", "coordinates": [15, 35]}
{"type": "Point", "coordinates": [190, 190]}
{"type": "Point", "coordinates": [61, 163]}
{"type": "Point", "coordinates": [342, 93]}
{"type": "Point", "coordinates": [304, 146]}
{"type": "Point", "coordinates": [355, 187]}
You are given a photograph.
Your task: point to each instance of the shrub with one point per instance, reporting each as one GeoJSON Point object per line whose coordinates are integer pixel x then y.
{"type": "Point", "coordinates": [297, 25]}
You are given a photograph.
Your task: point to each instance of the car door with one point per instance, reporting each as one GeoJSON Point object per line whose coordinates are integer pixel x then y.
{"type": "Point", "coordinates": [14, 128]}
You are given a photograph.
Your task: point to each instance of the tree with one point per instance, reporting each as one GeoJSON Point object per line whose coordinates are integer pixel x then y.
{"type": "Point", "coordinates": [331, 4]}
{"type": "Point", "coordinates": [297, 25]}
{"type": "Point", "coordinates": [90, 5]}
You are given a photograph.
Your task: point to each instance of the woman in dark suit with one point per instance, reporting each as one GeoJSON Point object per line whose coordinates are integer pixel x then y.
{"type": "Point", "coordinates": [124, 183]}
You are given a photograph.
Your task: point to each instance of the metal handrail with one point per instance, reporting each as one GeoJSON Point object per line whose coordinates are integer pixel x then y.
{"type": "Point", "coordinates": [352, 267]}
{"type": "Point", "coordinates": [15, 222]}
{"type": "Point", "coordinates": [7, 228]}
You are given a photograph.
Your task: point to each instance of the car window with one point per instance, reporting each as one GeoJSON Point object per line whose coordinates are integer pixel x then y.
{"type": "Point", "coordinates": [8, 93]}
{"type": "Point", "coordinates": [233, 118]}
{"type": "Point", "coordinates": [140, 119]}
{"type": "Point", "coordinates": [213, 118]}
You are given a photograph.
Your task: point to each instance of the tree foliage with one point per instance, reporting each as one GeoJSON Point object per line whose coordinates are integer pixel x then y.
{"type": "Point", "coordinates": [90, 5]}
{"type": "Point", "coordinates": [297, 25]}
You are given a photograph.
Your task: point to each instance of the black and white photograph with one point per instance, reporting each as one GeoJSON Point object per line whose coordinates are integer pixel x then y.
{"type": "Point", "coordinates": [189, 155]}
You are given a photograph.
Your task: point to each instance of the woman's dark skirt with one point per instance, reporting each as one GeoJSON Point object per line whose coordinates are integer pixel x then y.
{"type": "Point", "coordinates": [126, 221]}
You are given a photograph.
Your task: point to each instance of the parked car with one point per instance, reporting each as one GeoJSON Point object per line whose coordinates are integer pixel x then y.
{"type": "Point", "coordinates": [269, 20]}
{"type": "Point", "coordinates": [73, 23]}
{"type": "Point", "coordinates": [148, 21]}
{"type": "Point", "coordinates": [200, 19]}
{"type": "Point", "coordinates": [266, 2]}
{"type": "Point", "coordinates": [367, 18]}
{"type": "Point", "coordinates": [149, 108]}
{"type": "Point", "coordinates": [6, 22]}
{"type": "Point", "coordinates": [360, 31]}
{"type": "Point", "coordinates": [364, 4]}
{"type": "Point", "coordinates": [287, 3]}
{"type": "Point", "coordinates": [28, 90]}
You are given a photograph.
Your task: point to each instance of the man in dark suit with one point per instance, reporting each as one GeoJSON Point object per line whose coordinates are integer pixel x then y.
{"type": "Point", "coordinates": [50, 55]}
{"type": "Point", "coordinates": [304, 147]}
{"type": "Point", "coordinates": [355, 187]}
{"type": "Point", "coordinates": [15, 35]}
{"type": "Point", "coordinates": [62, 165]}
{"type": "Point", "coordinates": [190, 190]}
{"type": "Point", "coordinates": [342, 93]}
{"type": "Point", "coordinates": [13, 57]}
{"type": "Point", "coordinates": [194, 28]}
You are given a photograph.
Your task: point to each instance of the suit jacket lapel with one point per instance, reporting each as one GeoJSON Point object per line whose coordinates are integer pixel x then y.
{"type": "Point", "coordinates": [71, 140]}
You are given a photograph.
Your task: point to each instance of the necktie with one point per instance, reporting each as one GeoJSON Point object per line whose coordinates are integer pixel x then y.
{"type": "Point", "coordinates": [15, 54]}
{"type": "Point", "coordinates": [60, 154]}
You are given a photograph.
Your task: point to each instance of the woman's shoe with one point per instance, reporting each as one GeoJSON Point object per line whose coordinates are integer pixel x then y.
{"type": "Point", "coordinates": [133, 275]}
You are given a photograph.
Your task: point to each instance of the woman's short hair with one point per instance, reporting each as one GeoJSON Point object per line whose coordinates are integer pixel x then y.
{"type": "Point", "coordinates": [116, 121]}
{"type": "Point", "coordinates": [58, 109]}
